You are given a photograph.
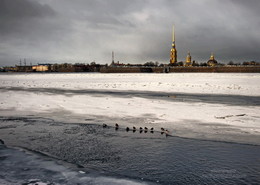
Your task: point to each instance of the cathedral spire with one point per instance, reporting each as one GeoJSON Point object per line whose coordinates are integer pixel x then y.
{"type": "Point", "coordinates": [173, 36]}
{"type": "Point", "coordinates": [188, 59]}
{"type": "Point", "coordinates": [173, 55]}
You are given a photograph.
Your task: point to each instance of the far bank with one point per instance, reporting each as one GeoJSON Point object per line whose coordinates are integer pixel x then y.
{"type": "Point", "coordinates": [180, 69]}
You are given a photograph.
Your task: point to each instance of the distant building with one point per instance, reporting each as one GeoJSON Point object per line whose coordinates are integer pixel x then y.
{"type": "Point", "coordinates": [9, 69]}
{"type": "Point", "coordinates": [41, 67]}
{"type": "Point", "coordinates": [188, 60]}
{"type": "Point", "coordinates": [65, 67]}
{"type": "Point", "coordinates": [24, 68]}
{"type": "Point", "coordinates": [173, 55]}
{"type": "Point", "coordinates": [212, 61]}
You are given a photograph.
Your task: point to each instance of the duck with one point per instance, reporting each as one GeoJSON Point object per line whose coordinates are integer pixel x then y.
{"type": "Point", "coordinates": [104, 125]}
{"type": "Point", "coordinates": [151, 129]}
{"type": "Point", "coordinates": [141, 128]}
{"type": "Point", "coordinates": [134, 129]}
{"type": "Point", "coordinates": [162, 129]}
{"type": "Point", "coordinates": [127, 129]}
{"type": "Point", "coordinates": [117, 126]}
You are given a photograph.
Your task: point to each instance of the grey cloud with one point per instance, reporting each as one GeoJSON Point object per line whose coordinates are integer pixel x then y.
{"type": "Point", "coordinates": [22, 20]}
{"type": "Point", "coordinates": [99, 11]}
{"type": "Point", "coordinates": [16, 16]}
{"type": "Point", "coordinates": [29, 28]}
{"type": "Point", "coordinates": [138, 30]}
{"type": "Point", "coordinates": [17, 9]}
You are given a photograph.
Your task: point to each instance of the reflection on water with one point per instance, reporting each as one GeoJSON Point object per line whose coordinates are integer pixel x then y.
{"type": "Point", "coordinates": [152, 157]}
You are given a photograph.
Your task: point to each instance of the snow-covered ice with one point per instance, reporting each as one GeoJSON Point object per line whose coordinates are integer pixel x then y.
{"type": "Point", "coordinates": [218, 106]}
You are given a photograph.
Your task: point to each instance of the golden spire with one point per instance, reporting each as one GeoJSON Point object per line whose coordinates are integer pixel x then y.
{"type": "Point", "coordinates": [173, 55]}
{"type": "Point", "coordinates": [212, 56]}
{"type": "Point", "coordinates": [173, 36]}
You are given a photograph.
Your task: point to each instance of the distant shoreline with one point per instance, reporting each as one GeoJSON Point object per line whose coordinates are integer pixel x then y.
{"type": "Point", "coordinates": [180, 69]}
{"type": "Point", "coordinates": [145, 69]}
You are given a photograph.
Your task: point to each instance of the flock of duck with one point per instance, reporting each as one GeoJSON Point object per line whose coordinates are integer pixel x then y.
{"type": "Point", "coordinates": [141, 129]}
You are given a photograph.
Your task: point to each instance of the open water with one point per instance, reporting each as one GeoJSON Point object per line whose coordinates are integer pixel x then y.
{"type": "Point", "coordinates": [64, 153]}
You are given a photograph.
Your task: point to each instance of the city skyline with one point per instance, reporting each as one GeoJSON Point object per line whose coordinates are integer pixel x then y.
{"type": "Point", "coordinates": [137, 31]}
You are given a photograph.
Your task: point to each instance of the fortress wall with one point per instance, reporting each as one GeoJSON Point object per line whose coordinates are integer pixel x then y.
{"type": "Point", "coordinates": [192, 69]}
{"type": "Point", "coordinates": [131, 69]}
{"type": "Point", "coordinates": [221, 69]}
{"type": "Point", "coordinates": [236, 69]}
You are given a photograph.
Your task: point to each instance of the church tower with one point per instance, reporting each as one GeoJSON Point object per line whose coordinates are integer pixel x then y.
{"type": "Point", "coordinates": [173, 55]}
{"type": "Point", "coordinates": [188, 60]}
{"type": "Point", "coordinates": [212, 62]}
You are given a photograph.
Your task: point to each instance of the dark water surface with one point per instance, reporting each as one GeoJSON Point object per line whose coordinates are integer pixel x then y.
{"type": "Point", "coordinates": [225, 99]}
{"type": "Point", "coordinates": [149, 157]}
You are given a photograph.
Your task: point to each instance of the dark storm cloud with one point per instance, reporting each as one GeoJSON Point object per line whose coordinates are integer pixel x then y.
{"type": "Point", "coordinates": [16, 15]}
{"type": "Point", "coordinates": [137, 30]}
{"type": "Point", "coordinates": [17, 9]}
{"type": "Point", "coordinates": [28, 28]}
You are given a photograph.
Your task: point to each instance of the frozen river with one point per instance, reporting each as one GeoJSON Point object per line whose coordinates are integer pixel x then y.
{"type": "Point", "coordinates": [213, 120]}
{"type": "Point", "coordinates": [192, 105]}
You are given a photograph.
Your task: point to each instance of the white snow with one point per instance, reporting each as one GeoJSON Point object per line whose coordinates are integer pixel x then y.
{"type": "Point", "coordinates": [216, 83]}
{"type": "Point", "coordinates": [196, 119]}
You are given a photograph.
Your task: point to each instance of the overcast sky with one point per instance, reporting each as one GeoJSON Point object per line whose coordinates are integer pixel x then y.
{"type": "Point", "coordinates": [58, 31]}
